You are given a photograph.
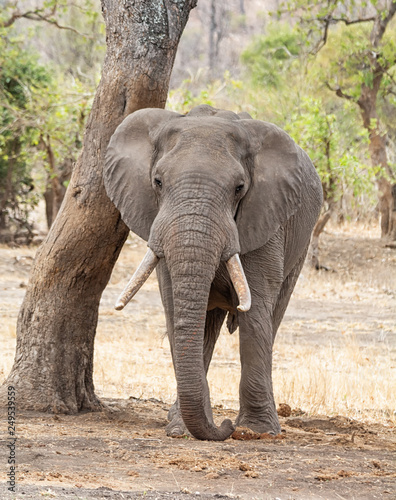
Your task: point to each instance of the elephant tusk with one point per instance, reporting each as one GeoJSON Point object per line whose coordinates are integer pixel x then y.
{"type": "Point", "coordinates": [140, 276]}
{"type": "Point", "coordinates": [240, 283]}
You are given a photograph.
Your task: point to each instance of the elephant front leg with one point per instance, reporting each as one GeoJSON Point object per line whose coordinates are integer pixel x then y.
{"type": "Point", "coordinates": [257, 404]}
{"type": "Point", "coordinates": [176, 425]}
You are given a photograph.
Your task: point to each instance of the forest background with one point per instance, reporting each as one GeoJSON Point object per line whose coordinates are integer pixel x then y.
{"type": "Point", "coordinates": [305, 66]}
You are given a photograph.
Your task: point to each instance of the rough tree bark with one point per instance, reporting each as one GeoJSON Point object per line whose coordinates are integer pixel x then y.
{"type": "Point", "coordinates": [377, 148]}
{"type": "Point", "coordinates": [368, 106]}
{"type": "Point", "coordinates": [57, 322]}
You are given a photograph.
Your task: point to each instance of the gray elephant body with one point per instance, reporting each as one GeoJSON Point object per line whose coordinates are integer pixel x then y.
{"type": "Point", "coordinates": [200, 189]}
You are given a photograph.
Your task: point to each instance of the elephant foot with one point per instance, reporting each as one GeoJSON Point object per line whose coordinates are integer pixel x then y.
{"type": "Point", "coordinates": [268, 424]}
{"type": "Point", "coordinates": [176, 426]}
{"type": "Point", "coordinates": [173, 411]}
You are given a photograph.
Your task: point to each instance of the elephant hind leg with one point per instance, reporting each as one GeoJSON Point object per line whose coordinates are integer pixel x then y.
{"type": "Point", "coordinates": [285, 293]}
{"type": "Point", "coordinates": [214, 321]}
{"type": "Point", "coordinates": [232, 322]}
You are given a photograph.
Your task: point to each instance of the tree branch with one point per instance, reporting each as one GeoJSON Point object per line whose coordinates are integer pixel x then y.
{"type": "Point", "coordinates": [323, 40]}
{"type": "Point", "coordinates": [54, 22]}
{"type": "Point", "coordinates": [29, 14]}
{"type": "Point", "coordinates": [381, 24]}
{"type": "Point", "coordinates": [338, 91]}
{"type": "Point", "coordinates": [328, 20]}
{"type": "Point", "coordinates": [39, 15]}
{"type": "Point", "coordinates": [346, 21]}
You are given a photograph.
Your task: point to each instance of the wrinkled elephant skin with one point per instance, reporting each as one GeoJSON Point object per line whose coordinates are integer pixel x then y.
{"type": "Point", "coordinates": [227, 205]}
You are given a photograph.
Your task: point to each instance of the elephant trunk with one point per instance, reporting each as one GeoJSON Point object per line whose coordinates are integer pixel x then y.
{"type": "Point", "coordinates": [192, 262]}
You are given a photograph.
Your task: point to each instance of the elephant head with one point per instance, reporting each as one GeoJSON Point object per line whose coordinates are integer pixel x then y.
{"type": "Point", "coordinates": [201, 188]}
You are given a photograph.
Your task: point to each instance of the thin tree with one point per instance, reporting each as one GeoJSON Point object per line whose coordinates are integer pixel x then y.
{"type": "Point", "coordinates": [218, 29]}
{"type": "Point", "coordinates": [374, 62]}
{"type": "Point", "coordinates": [53, 364]}
{"type": "Point", "coordinates": [367, 102]}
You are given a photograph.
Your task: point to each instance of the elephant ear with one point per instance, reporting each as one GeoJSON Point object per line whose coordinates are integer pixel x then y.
{"type": "Point", "coordinates": [127, 168]}
{"type": "Point", "coordinates": [277, 179]}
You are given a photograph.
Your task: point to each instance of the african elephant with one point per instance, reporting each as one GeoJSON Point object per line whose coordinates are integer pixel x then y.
{"type": "Point", "coordinates": [227, 205]}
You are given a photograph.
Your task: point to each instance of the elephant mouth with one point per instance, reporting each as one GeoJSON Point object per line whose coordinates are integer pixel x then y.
{"type": "Point", "coordinates": [149, 263]}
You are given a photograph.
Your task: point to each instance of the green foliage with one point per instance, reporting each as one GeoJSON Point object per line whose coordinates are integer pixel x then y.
{"type": "Point", "coordinates": [21, 76]}
{"type": "Point", "coordinates": [268, 57]}
{"type": "Point", "coordinates": [328, 129]}
{"type": "Point", "coordinates": [79, 52]}
{"type": "Point", "coordinates": [44, 105]}
{"type": "Point", "coordinates": [334, 146]}
{"type": "Point", "coordinates": [46, 99]}
{"type": "Point", "coordinates": [346, 61]}
{"type": "Point", "coordinates": [42, 120]}
{"type": "Point", "coordinates": [355, 44]}
{"type": "Point", "coordinates": [226, 93]}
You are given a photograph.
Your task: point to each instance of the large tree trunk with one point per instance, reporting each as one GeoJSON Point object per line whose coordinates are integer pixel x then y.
{"type": "Point", "coordinates": [57, 322]}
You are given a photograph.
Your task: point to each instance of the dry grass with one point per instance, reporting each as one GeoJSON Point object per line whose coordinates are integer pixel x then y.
{"type": "Point", "coordinates": [346, 379]}
{"type": "Point", "coordinates": [7, 346]}
{"type": "Point", "coordinates": [324, 363]}
{"type": "Point", "coordinates": [335, 380]}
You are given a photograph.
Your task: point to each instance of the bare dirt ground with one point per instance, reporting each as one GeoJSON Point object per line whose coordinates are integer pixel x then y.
{"type": "Point", "coordinates": [334, 364]}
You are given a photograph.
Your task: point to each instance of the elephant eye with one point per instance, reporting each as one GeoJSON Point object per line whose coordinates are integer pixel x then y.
{"type": "Point", "coordinates": [158, 182]}
{"type": "Point", "coordinates": [239, 188]}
